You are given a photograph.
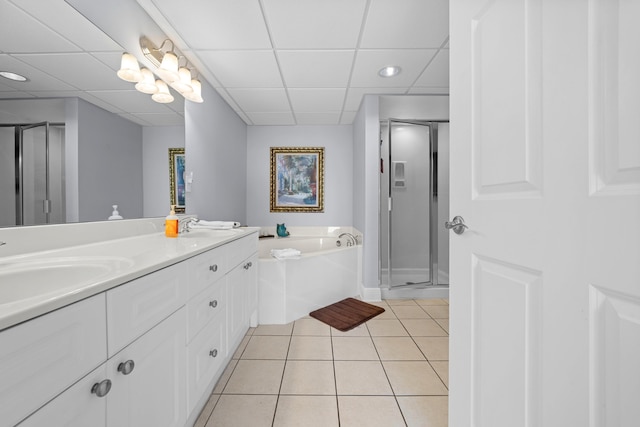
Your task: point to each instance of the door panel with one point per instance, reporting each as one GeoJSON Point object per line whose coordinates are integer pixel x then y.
{"type": "Point", "coordinates": [545, 170]}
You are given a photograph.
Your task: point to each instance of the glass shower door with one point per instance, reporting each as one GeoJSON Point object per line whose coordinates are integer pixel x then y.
{"type": "Point", "coordinates": [411, 237]}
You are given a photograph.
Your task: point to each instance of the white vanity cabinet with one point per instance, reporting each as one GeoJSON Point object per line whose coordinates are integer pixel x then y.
{"type": "Point", "coordinates": [41, 358]}
{"type": "Point", "coordinates": [242, 289]}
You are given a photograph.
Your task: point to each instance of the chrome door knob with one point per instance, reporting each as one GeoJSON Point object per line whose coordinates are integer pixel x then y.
{"type": "Point", "coordinates": [456, 224]}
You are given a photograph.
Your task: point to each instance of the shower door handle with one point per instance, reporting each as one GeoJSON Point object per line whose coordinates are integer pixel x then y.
{"type": "Point", "coordinates": [457, 224]}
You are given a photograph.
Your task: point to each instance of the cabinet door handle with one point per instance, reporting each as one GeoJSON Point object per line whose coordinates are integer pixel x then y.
{"type": "Point", "coordinates": [248, 265]}
{"type": "Point", "coordinates": [126, 367]}
{"type": "Point", "coordinates": [102, 388]}
{"type": "Point", "coordinates": [214, 352]}
{"type": "Point", "coordinates": [213, 267]}
{"type": "Point", "coordinates": [213, 303]}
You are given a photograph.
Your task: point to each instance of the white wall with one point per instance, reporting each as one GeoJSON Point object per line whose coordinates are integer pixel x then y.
{"type": "Point", "coordinates": [156, 141]}
{"type": "Point", "coordinates": [366, 149]}
{"type": "Point", "coordinates": [216, 153]}
{"type": "Point", "coordinates": [338, 175]}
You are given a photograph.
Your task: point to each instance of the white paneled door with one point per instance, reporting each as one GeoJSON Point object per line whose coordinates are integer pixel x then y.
{"type": "Point", "coordinates": [545, 171]}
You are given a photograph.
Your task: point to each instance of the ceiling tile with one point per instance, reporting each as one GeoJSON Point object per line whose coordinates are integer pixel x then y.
{"type": "Point", "coordinates": [243, 69]}
{"type": "Point", "coordinates": [83, 70]}
{"type": "Point", "coordinates": [131, 101]}
{"type": "Point", "coordinates": [317, 118]}
{"type": "Point", "coordinates": [316, 100]}
{"type": "Point", "coordinates": [261, 100]}
{"type": "Point", "coordinates": [354, 95]}
{"type": "Point", "coordinates": [64, 19]}
{"type": "Point", "coordinates": [38, 80]}
{"type": "Point", "coordinates": [348, 117]}
{"type": "Point", "coordinates": [216, 24]}
{"type": "Point", "coordinates": [326, 68]}
{"type": "Point", "coordinates": [406, 24]}
{"type": "Point", "coordinates": [310, 24]}
{"type": "Point", "coordinates": [437, 73]}
{"type": "Point", "coordinates": [20, 32]}
{"type": "Point", "coordinates": [275, 118]}
{"type": "Point", "coordinates": [369, 62]}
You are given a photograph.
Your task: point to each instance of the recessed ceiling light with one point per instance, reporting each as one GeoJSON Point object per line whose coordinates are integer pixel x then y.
{"type": "Point", "coordinates": [389, 71]}
{"type": "Point", "coordinates": [13, 76]}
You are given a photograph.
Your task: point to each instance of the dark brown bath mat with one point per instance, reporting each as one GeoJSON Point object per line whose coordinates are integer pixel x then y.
{"type": "Point", "coordinates": [346, 314]}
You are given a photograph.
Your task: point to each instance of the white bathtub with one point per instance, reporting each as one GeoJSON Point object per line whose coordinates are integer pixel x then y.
{"type": "Point", "coordinates": [324, 274]}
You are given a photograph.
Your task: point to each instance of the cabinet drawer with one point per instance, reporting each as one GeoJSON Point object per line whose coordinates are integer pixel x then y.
{"type": "Point", "coordinates": [76, 407]}
{"type": "Point", "coordinates": [44, 356]}
{"type": "Point", "coordinates": [207, 305]}
{"type": "Point", "coordinates": [139, 305]}
{"type": "Point", "coordinates": [205, 355]}
{"type": "Point", "coordinates": [241, 249]}
{"type": "Point", "coordinates": [205, 269]}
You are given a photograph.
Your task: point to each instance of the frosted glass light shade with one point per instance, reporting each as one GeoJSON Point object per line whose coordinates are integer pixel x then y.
{"type": "Point", "coordinates": [183, 85]}
{"type": "Point", "coordinates": [196, 94]}
{"type": "Point", "coordinates": [169, 68]}
{"type": "Point", "coordinates": [147, 83]}
{"type": "Point", "coordinates": [162, 96]}
{"type": "Point", "coordinates": [129, 69]}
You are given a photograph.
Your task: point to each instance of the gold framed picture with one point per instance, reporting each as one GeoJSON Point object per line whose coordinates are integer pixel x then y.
{"type": "Point", "coordinates": [297, 179]}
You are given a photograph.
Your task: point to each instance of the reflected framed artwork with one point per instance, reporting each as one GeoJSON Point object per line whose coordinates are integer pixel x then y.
{"type": "Point", "coordinates": [297, 179]}
{"type": "Point", "coordinates": [177, 194]}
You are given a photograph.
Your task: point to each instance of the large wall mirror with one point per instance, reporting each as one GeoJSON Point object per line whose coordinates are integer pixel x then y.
{"type": "Point", "coordinates": [71, 135]}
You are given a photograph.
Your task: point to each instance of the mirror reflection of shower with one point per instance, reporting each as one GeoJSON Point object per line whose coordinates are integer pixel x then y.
{"type": "Point", "coordinates": [414, 203]}
{"type": "Point", "coordinates": [32, 174]}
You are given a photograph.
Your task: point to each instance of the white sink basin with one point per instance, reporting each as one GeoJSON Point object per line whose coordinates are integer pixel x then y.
{"type": "Point", "coordinates": [24, 279]}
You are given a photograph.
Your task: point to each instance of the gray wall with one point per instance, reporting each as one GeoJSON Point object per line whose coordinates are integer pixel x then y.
{"type": "Point", "coordinates": [109, 152]}
{"type": "Point", "coordinates": [156, 141]}
{"type": "Point", "coordinates": [216, 153]}
{"type": "Point", "coordinates": [338, 176]}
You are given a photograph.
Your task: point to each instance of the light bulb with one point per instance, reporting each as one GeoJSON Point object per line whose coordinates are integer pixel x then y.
{"type": "Point", "coordinates": [169, 67]}
{"type": "Point", "coordinates": [196, 94]}
{"type": "Point", "coordinates": [163, 96]}
{"type": "Point", "coordinates": [129, 69]}
{"type": "Point", "coordinates": [147, 83]}
{"type": "Point", "coordinates": [183, 85]}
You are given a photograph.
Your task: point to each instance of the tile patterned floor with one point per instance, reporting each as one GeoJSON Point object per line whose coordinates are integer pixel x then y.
{"type": "Point", "coordinates": [390, 371]}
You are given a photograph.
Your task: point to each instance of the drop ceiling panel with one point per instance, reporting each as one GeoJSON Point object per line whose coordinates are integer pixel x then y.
{"type": "Point", "coordinates": [38, 80]}
{"type": "Point", "coordinates": [65, 20]}
{"type": "Point", "coordinates": [243, 69]}
{"type": "Point", "coordinates": [312, 24]}
{"type": "Point", "coordinates": [20, 32]}
{"type": "Point", "coordinates": [406, 24]}
{"type": "Point", "coordinates": [217, 24]}
{"type": "Point", "coordinates": [437, 73]}
{"type": "Point", "coordinates": [85, 71]}
{"type": "Point", "coordinates": [317, 118]}
{"type": "Point", "coordinates": [354, 96]}
{"type": "Point", "coordinates": [317, 100]}
{"type": "Point", "coordinates": [261, 100]}
{"type": "Point", "coordinates": [369, 62]}
{"type": "Point", "coordinates": [131, 101]}
{"type": "Point", "coordinates": [327, 68]}
{"type": "Point", "coordinates": [273, 118]}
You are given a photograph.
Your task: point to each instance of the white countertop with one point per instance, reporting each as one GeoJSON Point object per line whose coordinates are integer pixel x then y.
{"type": "Point", "coordinates": [32, 284]}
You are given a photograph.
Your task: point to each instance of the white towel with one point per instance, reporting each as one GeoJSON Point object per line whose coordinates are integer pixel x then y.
{"type": "Point", "coordinates": [288, 253]}
{"type": "Point", "coordinates": [215, 225]}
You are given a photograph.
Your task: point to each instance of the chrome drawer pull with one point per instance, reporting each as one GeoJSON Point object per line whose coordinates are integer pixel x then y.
{"type": "Point", "coordinates": [214, 303]}
{"type": "Point", "coordinates": [126, 367]}
{"type": "Point", "coordinates": [102, 388]}
{"type": "Point", "coordinates": [213, 353]}
{"type": "Point", "coordinates": [213, 267]}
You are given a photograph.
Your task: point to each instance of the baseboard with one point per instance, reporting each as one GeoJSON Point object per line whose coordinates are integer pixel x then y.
{"type": "Point", "coordinates": [370, 294]}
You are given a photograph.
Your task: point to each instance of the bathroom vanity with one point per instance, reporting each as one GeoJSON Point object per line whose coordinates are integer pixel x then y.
{"type": "Point", "coordinates": [130, 331]}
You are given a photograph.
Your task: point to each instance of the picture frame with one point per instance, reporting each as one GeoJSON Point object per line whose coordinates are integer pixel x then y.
{"type": "Point", "coordinates": [297, 179]}
{"type": "Point", "coordinates": [177, 193]}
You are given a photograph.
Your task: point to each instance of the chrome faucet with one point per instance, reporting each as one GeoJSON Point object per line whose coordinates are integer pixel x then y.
{"type": "Point", "coordinates": [353, 241]}
{"type": "Point", "coordinates": [3, 243]}
{"type": "Point", "coordinates": [185, 223]}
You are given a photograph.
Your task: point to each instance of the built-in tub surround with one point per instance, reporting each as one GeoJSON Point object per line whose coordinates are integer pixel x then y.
{"type": "Point", "coordinates": [43, 268]}
{"type": "Point", "coordinates": [324, 273]}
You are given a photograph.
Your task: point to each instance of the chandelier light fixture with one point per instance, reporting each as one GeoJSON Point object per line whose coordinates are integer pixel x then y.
{"type": "Point", "coordinates": [167, 68]}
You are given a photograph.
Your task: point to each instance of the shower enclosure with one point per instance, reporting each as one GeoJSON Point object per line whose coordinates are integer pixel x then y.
{"type": "Point", "coordinates": [32, 174]}
{"type": "Point", "coordinates": [414, 203]}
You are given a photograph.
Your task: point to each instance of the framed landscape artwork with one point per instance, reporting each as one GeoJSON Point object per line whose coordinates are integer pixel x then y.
{"type": "Point", "coordinates": [177, 194]}
{"type": "Point", "coordinates": [297, 179]}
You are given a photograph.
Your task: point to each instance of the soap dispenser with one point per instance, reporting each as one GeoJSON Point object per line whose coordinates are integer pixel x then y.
{"type": "Point", "coordinates": [171, 223]}
{"type": "Point", "coordinates": [115, 214]}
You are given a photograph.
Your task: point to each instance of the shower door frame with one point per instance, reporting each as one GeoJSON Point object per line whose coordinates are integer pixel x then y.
{"type": "Point", "coordinates": [433, 203]}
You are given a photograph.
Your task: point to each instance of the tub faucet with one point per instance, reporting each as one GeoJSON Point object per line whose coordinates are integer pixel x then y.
{"type": "Point", "coordinates": [3, 243]}
{"type": "Point", "coordinates": [351, 242]}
